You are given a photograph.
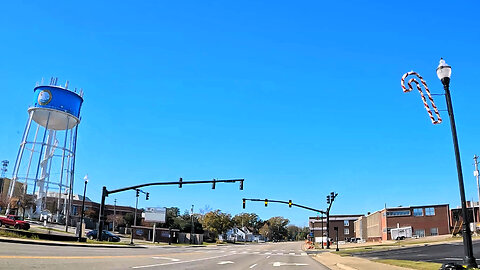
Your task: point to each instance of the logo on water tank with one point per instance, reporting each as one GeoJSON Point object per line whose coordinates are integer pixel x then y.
{"type": "Point", "coordinates": [44, 97]}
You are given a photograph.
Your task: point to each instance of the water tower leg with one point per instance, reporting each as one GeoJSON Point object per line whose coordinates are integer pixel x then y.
{"type": "Point", "coordinates": [11, 187]}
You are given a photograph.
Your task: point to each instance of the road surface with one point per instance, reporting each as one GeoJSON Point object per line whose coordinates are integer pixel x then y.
{"type": "Point", "coordinates": [286, 255]}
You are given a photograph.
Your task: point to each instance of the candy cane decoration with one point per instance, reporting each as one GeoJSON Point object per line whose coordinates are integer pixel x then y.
{"type": "Point", "coordinates": [439, 119]}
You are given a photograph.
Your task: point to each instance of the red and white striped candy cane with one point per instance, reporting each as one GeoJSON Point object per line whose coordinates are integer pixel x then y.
{"type": "Point", "coordinates": [439, 119]}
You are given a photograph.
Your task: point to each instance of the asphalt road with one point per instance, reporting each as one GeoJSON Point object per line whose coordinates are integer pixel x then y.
{"type": "Point", "coordinates": [287, 255]}
{"type": "Point", "coordinates": [451, 252]}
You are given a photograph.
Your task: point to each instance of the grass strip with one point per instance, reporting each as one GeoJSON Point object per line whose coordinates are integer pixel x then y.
{"type": "Point", "coordinates": [411, 264]}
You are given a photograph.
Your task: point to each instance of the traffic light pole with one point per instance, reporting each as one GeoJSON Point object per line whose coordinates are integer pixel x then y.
{"type": "Point", "coordinates": [106, 192]}
{"type": "Point", "coordinates": [134, 218]}
{"type": "Point", "coordinates": [330, 199]}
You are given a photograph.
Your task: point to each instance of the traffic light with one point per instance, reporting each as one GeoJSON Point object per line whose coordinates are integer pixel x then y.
{"type": "Point", "coordinates": [241, 185]}
{"type": "Point", "coordinates": [290, 203]}
{"type": "Point", "coordinates": [213, 184]}
{"type": "Point", "coordinates": [138, 192]}
{"type": "Point", "coordinates": [332, 195]}
{"type": "Point", "coordinates": [244, 201]}
{"type": "Point", "coordinates": [266, 202]}
{"type": "Point", "coordinates": [147, 195]}
{"type": "Point", "coordinates": [180, 184]}
{"type": "Point", "coordinates": [328, 199]}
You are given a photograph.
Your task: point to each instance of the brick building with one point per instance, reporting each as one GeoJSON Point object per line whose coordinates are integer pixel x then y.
{"type": "Point", "coordinates": [345, 224]}
{"type": "Point", "coordinates": [427, 220]}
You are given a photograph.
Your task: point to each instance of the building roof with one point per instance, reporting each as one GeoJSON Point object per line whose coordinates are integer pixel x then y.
{"type": "Point", "coordinates": [416, 206]}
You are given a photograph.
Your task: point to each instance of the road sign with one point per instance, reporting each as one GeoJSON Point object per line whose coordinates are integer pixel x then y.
{"type": "Point", "coordinates": [155, 214]}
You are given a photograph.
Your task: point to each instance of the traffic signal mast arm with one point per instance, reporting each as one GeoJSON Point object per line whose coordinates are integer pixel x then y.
{"type": "Point", "coordinates": [106, 192]}
{"type": "Point", "coordinates": [177, 183]}
{"type": "Point", "coordinates": [285, 202]}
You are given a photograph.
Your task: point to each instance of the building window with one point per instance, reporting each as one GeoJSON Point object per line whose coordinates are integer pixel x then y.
{"type": "Point", "coordinates": [418, 212]}
{"type": "Point", "coordinates": [429, 211]}
{"type": "Point", "coordinates": [398, 213]}
{"type": "Point", "coordinates": [346, 223]}
{"type": "Point", "coordinates": [434, 231]}
{"type": "Point", "coordinates": [420, 233]}
{"type": "Point", "coordinates": [346, 231]}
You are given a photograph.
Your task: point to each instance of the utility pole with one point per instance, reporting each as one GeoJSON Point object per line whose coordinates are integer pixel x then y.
{"type": "Point", "coordinates": [4, 168]}
{"type": "Point", "coordinates": [476, 174]}
{"type": "Point", "coordinates": [114, 213]}
{"type": "Point", "coordinates": [192, 229]}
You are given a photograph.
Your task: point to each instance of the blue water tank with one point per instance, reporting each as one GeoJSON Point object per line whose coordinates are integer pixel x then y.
{"type": "Point", "coordinates": [56, 106]}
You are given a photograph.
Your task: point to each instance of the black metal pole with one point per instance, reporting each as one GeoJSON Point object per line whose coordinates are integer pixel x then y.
{"type": "Point", "coordinates": [322, 232]}
{"type": "Point", "coordinates": [134, 220]}
{"type": "Point", "coordinates": [337, 240]}
{"type": "Point", "coordinates": [469, 260]}
{"type": "Point", "coordinates": [101, 214]}
{"type": "Point", "coordinates": [83, 208]}
{"type": "Point", "coordinates": [328, 229]}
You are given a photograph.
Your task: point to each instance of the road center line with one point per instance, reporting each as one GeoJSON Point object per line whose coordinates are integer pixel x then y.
{"type": "Point", "coordinates": [170, 263]}
{"type": "Point", "coordinates": [252, 266]}
{"type": "Point", "coordinates": [90, 257]}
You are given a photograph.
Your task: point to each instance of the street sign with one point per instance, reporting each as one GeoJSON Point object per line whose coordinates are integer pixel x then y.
{"type": "Point", "coordinates": [155, 214]}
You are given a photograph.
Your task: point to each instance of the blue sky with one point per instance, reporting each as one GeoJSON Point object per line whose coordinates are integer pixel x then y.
{"type": "Point", "coordinates": [298, 98]}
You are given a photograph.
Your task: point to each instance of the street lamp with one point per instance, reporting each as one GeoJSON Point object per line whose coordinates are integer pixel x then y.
{"type": "Point", "coordinates": [83, 207]}
{"type": "Point", "coordinates": [444, 72]}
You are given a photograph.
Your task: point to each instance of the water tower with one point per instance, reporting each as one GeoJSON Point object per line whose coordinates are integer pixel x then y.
{"type": "Point", "coordinates": [45, 162]}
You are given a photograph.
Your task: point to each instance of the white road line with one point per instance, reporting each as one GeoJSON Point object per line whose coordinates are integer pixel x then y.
{"type": "Point", "coordinates": [225, 262]}
{"type": "Point", "coordinates": [267, 257]}
{"type": "Point", "coordinates": [291, 253]}
{"type": "Point", "coordinates": [268, 253]}
{"type": "Point", "coordinates": [293, 264]}
{"type": "Point", "coordinates": [166, 258]}
{"type": "Point", "coordinates": [170, 263]}
{"type": "Point", "coordinates": [279, 253]}
{"type": "Point", "coordinates": [303, 254]}
{"type": "Point", "coordinates": [252, 266]}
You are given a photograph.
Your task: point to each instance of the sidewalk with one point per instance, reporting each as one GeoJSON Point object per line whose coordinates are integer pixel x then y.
{"type": "Point", "coordinates": [337, 262]}
{"type": "Point", "coordinates": [58, 243]}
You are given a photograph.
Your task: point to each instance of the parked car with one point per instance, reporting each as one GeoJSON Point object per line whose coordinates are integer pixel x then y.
{"type": "Point", "coordinates": [14, 221]}
{"type": "Point", "coordinates": [106, 236]}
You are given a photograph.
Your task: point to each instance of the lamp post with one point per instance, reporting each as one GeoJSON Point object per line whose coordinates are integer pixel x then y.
{"type": "Point", "coordinates": [443, 72]}
{"type": "Point", "coordinates": [83, 207]}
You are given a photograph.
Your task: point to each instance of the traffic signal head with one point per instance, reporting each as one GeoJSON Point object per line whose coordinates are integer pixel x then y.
{"type": "Point", "coordinates": [180, 184]}
{"type": "Point", "coordinates": [266, 202]}
{"type": "Point", "coordinates": [244, 201]}
{"type": "Point", "coordinates": [328, 199]}
{"type": "Point", "coordinates": [147, 195]}
{"type": "Point", "coordinates": [332, 195]}
{"type": "Point", "coordinates": [213, 184]}
{"type": "Point", "coordinates": [290, 203]}
{"type": "Point", "coordinates": [241, 185]}
{"type": "Point", "coordinates": [138, 192]}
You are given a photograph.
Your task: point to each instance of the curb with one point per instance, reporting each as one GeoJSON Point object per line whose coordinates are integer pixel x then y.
{"type": "Point", "coordinates": [45, 243]}
{"type": "Point", "coordinates": [345, 267]}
